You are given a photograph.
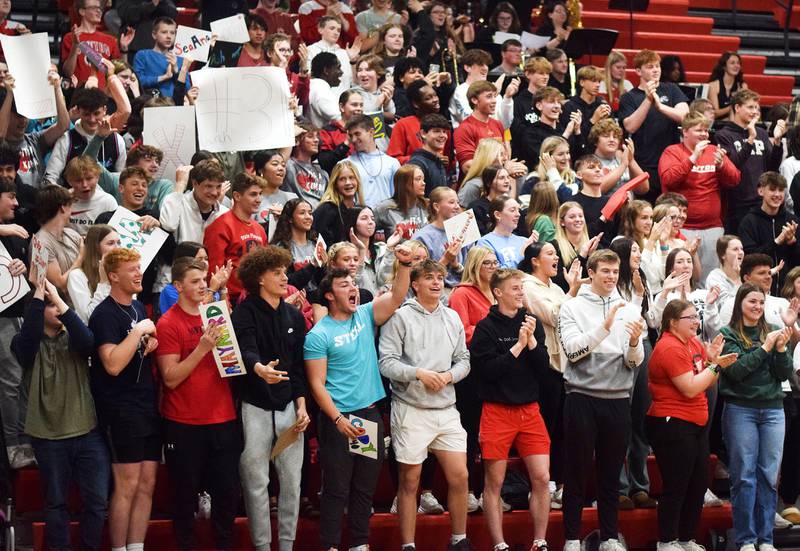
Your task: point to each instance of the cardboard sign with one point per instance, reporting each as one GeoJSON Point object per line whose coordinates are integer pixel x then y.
{"type": "Point", "coordinates": [367, 443]}
{"type": "Point", "coordinates": [243, 109]}
{"type": "Point", "coordinates": [231, 29]}
{"type": "Point", "coordinates": [28, 59]}
{"type": "Point", "coordinates": [464, 227]}
{"type": "Point", "coordinates": [192, 43]}
{"type": "Point", "coordinates": [131, 236]}
{"type": "Point", "coordinates": [226, 351]}
{"type": "Point", "coordinates": [286, 439]}
{"type": "Point", "coordinates": [378, 123]}
{"type": "Point", "coordinates": [39, 259]}
{"type": "Point", "coordinates": [172, 130]}
{"type": "Point", "coordinates": [11, 288]}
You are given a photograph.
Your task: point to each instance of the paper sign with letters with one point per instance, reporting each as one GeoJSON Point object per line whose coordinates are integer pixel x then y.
{"type": "Point", "coordinates": [171, 129]}
{"type": "Point", "coordinates": [231, 29]}
{"type": "Point", "coordinates": [226, 351]}
{"type": "Point", "coordinates": [131, 235]}
{"type": "Point", "coordinates": [192, 43]}
{"type": "Point", "coordinates": [11, 288]}
{"type": "Point", "coordinates": [464, 227]}
{"type": "Point", "coordinates": [243, 109]}
{"type": "Point", "coordinates": [367, 443]}
{"type": "Point", "coordinates": [378, 124]}
{"type": "Point", "coordinates": [39, 259]}
{"type": "Point", "coordinates": [28, 59]}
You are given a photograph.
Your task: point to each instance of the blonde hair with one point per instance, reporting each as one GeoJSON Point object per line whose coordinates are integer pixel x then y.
{"type": "Point", "coordinates": [487, 153]}
{"type": "Point", "coordinates": [544, 202]}
{"type": "Point", "coordinates": [472, 266]}
{"type": "Point", "coordinates": [548, 146]}
{"type": "Point", "coordinates": [413, 245]}
{"type": "Point", "coordinates": [336, 248]}
{"type": "Point", "coordinates": [566, 249]}
{"type": "Point", "coordinates": [436, 195]}
{"type": "Point", "coordinates": [332, 195]}
{"type": "Point", "coordinates": [612, 85]}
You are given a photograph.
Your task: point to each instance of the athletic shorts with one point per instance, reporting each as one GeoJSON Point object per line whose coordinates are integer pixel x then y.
{"type": "Point", "coordinates": [125, 448]}
{"type": "Point", "coordinates": [521, 426]}
{"type": "Point", "coordinates": [416, 430]}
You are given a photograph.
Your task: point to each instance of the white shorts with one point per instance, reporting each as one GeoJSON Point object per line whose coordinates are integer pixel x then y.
{"type": "Point", "coordinates": [416, 430]}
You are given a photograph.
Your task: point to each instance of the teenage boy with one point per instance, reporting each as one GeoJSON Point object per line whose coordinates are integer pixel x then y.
{"type": "Point", "coordinates": [619, 164]}
{"type": "Point", "coordinates": [74, 62]}
{"type": "Point", "coordinates": [770, 229]}
{"type": "Point", "coordinates": [699, 171]}
{"type": "Point", "coordinates": [375, 168]}
{"type": "Point", "coordinates": [334, 145]}
{"type": "Point", "coordinates": [476, 66]}
{"type": "Point", "coordinates": [507, 351]}
{"type": "Point", "coordinates": [651, 113]}
{"type": "Point", "coordinates": [343, 375]}
{"type": "Point", "coordinates": [601, 337]}
{"type": "Point", "coordinates": [559, 76]}
{"type": "Point", "coordinates": [270, 333]}
{"type": "Point", "coordinates": [124, 392]}
{"type": "Point", "coordinates": [25, 195]}
{"type": "Point", "coordinates": [511, 59]}
{"type": "Point", "coordinates": [547, 102]}
{"type": "Point", "coordinates": [304, 175]}
{"type": "Point", "coordinates": [330, 28]}
{"type": "Point", "coordinates": [82, 174]}
{"type": "Point", "coordinates": [589, 171]}
{"type": "Point", "coordinates": [311, 11]}
{"type": "Point", "coordinates": [234, 233]}
{"type": "Point", "coordinates": [752, 150]}
{"type": "Point", "coordinates": [54, 347]}
{"type": "Point", "coordinates": [326, 74]}
{"type": "Point", "coordinates": [408, 70]}
{"type": "Point", "coordinates": [434, 130]}
{"type": "Point", "coordinates": [198, 441]}
{"type": "Point", "coordinates": [132, 189]}
{"type": "Point", "coordinates": [405, 134]}
{"type": "Point", "coordinates": [158, 69]}
{"type": "Point", "coordinates": [187, 214]}
{"type": "Point", "coordinates": [537, 73]}
{"type": "Point", "coordinates": [592, 107]}
{"type": "Point", "coordinates": [482, 97]}
{"type": "Point", "coordinates": [424, 415]}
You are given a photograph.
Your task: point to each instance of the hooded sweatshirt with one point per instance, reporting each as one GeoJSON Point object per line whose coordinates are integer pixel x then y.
{"type": "Point", "coordinates": [416, 338]}
{"type": "Point", "coordinates": [600, 362]}
{"type": "Point", "coordinates": [502, 378]}
{"type": "Point", "coordinates": [758, 231]}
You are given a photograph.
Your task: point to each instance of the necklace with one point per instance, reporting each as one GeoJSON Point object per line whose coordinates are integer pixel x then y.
{"type": "Point", "coordinates": [368, 155]}
{"type": "Point", "coordinates": [134, 320]}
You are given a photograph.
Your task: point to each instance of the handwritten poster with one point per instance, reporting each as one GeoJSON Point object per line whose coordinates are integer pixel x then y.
{"type": "Point", "coordinates": [367, 443]}
{"type": "Point", "coordinates": [231, 29]}
{"type": "Point", "coordinates": [28, 59]}
{"type": "Point", "coordinates": [172, 130]}
{"type": "Point", "coordinates": [11, 288]}
{"type": "Point", "coordinates": [226, 352]}
{"type": "Point", "coordinates": [464, 227]}
{"type": "Point", "coordinates": [192, 43]}
{"type": "Point", "coordinates": [131, 235]}
{"type": "Point", "coordinates": [243, 109]}
{"type": "Point", "coordinates": [39, 259]}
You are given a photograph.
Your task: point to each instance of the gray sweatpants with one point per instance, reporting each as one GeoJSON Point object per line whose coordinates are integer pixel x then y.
{"type": "Point", "coordinates": [261, 431]}
{"type": "Point", "coordinates": [13, 394]}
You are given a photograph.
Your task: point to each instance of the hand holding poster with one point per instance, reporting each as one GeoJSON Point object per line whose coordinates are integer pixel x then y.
{"type": "Point", "coordinates": [12, 288]}
{"type": "Point", "coordinates": [367, 443]}
{"type": "Point", "coordinates": [231, 29]}
{"type": "Point", "coordinates": [463, 227]}
{"type": "Point", "coordinates": [131, 236]}
{"type": "Point", "coordinates": [28, 59]}
{"type": "Point", "coordinates": [171, 129]}
{"type": "Point", "coordinates": [192, 43]}
{"type": "Point", "coordinates": [226, 352]}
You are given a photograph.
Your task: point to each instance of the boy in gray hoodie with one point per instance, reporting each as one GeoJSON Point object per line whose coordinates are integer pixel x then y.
{"type": "Point", "coordinates": [601, 337]}
{"type": "Point", "coordinates": [423, 352]}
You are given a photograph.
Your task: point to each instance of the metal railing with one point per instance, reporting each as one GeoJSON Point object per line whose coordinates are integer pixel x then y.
{"type": "Point", "coordinates": [786, 23]}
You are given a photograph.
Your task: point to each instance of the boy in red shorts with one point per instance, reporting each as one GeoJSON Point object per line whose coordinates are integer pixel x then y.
{"type": "Point", "coordinates": [506, 352]}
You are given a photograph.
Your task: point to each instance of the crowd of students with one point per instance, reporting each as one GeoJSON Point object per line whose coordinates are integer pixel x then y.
{"type": "Point", "coordinates": [573, 334]}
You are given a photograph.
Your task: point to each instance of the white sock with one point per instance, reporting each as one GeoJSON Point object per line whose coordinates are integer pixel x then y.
{"type": "Point", "coordinates": [455, 538]}
{"type": "Point", "coordinates": [123, 548]}
{"type": "Point", "coordinates": [502, 546]}
{"type": "Point", "coordinates": [135, 546]}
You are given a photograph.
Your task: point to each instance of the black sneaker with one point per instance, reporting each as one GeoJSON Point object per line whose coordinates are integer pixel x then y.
{"type": "Point", "coordinates": [463, 545]}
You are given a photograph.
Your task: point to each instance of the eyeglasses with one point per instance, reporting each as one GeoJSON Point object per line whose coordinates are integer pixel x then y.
{"type": "Point", "coordinates": [93, 8]}
{"type": "Point", "coordinates": [490, 263]}
{"type": "Point", "coordinates": [285, 50]}
{"type": "Point", "coordinates": [690, 318]}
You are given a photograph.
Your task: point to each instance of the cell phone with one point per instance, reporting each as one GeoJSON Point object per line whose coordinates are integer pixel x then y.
{"type": "Point", "coordinates": [433, 68]}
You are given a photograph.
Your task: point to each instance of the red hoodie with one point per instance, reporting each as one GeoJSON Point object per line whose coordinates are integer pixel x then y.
{"type": "Point", "coordinates": [700, 183]}
{"type": "Point", "coordinates": [471, 305]}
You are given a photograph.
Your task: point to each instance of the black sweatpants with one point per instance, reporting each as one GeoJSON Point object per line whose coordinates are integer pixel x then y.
{"type": "Point", "coordinates": [681, 450]}
{"type": "Point", "coordinates": [598, 430]}
{"type": "Point", "coordinates": [195, 453]}
{"type": "Point", "coordinates": [551, 406]}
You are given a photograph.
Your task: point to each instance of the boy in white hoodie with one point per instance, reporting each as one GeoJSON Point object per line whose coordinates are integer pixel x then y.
{"type": "Point", "coordinates": [601, 337]}
{"type": "Point", "coordinates": [423, 352]}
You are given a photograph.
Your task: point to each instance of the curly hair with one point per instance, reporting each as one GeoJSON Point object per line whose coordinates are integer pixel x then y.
{"type": "Point", "coordinates": [258, 261]}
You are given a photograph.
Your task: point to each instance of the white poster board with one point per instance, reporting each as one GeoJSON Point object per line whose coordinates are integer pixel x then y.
{"type": "Point", "coordinates": [464, 227]}
{"type": "Point", "coordinates": [231, 29]}
{"type": "Point", "coordinates": [226, 351]}
{"type": "Point", "coordinates": [28, 60]}
{"type": "Point", "coordinates": [367, 443]}
{"type": "Point", "coordinates": [192, 43]}
{"type": "Point", "coordinates": [131, 235]}
{"type": "Point", "coordinates": [11, 288]}
{"type": "Point", "coordinates": [171, 129]}
{"type": "Point", "coordinates": [243, 109]}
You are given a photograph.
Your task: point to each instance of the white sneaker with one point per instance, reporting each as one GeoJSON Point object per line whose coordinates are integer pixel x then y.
{"type": "Point", "coordinates": [472, 503]}
{"type": "Point", "coordinates": [747, 547]}
{"type": "Point", "coordinates": [572, 545]}
{"type": "Point", "coordinates": [556, 498]}
{"type": "Point", "coordinates": [668, 546]}
{"type": "Point", "coordinates": [203, 505]}
{"type": "Point", "coordinates": [710, 500]}
{"type": "Point", "coordinates": [615, 545]}
{"type": "Point", "coordinates": [503, 505]}
{"type": "Point", "coordinates": [691, 545]}
{"type": "Point", "coordinates": [429, 505]}
{"type": "Point", "coordinates": [20, 456]}
{"type": "Point", "coordinates": [780, 522]}
{"type": "Point", "coordinates": [551, 486]}
{"type": "Point", "coordinates": [766, 547]}
{"type": "Point", "coordinates": [393, 508]}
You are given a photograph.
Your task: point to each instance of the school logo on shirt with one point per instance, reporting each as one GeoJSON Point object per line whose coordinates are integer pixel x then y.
{"type": "Point", "coordinates": [350, 336]}
{"type": "Point", "coordinates": [703, 169]}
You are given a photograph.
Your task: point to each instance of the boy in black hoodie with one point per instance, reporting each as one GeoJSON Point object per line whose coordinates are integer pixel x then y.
{"type": "Point", "coordinates": [753, 152]}
{"type": "Point", "coordinates": [507, 352]}
{"type": "Point", "coordinates": [769, 228]}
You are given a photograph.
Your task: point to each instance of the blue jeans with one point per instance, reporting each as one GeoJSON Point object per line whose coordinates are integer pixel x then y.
{"type": "Point", "coordinates": [83, 459]}
{"type": "Point", "coordinates": [754, 438]}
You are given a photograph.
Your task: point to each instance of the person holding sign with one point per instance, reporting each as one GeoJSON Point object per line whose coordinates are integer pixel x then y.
{"type": "Point", "coordinates": [91, 19]}
{"type": "Point", "coordinates": [443, 205]}
{"type": "Point", "coordinates": [125, 396]}
{"type": "Point", "coordinates": [424, 415]}
{"type": "Point", "coordinates": [343, 375]}
{"type": "Point", "coordinates": [197, 440]}
{"type": "Point", "coordinates": [270, 332]}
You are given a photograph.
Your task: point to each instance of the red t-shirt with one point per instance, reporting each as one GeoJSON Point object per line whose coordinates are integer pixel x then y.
{"type": "Point", "coordinates": [405, 139]}
{"type": "Point", "coordinates": [229, 237]}
{"type": "Point", "coordinates": [102, 43]}
{"type": "Point", "coordinates": [671, 358]}
{"type": "Point", "coordinates": [203, 398]}
{"type": "Point", "coordinates": [470, 132]}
